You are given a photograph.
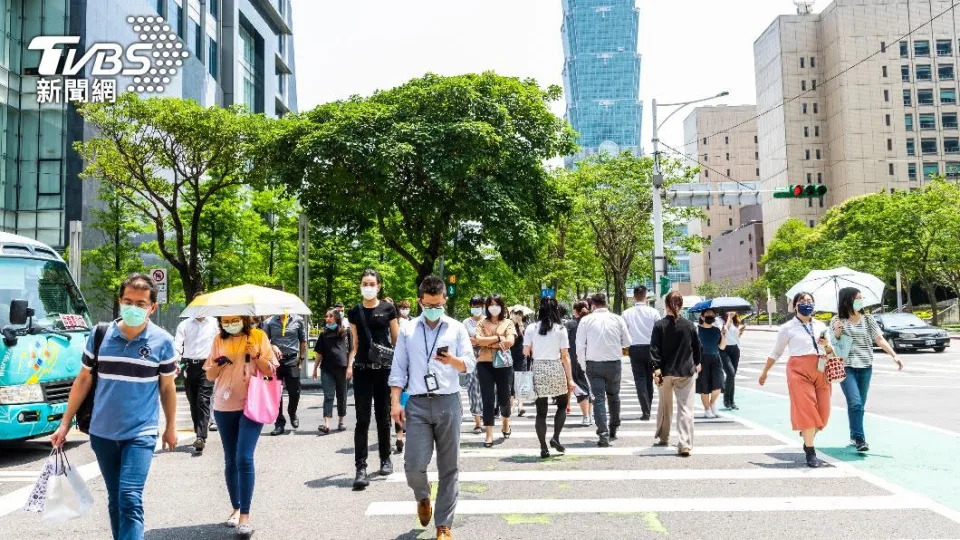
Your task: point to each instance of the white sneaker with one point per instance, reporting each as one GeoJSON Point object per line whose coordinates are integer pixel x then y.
{"type": "Point", "coordinates": [714, 411]}
{"type": "Point", "coordinates": [585, 421]}
{"type": "Point", "coordinates": [708, 413]}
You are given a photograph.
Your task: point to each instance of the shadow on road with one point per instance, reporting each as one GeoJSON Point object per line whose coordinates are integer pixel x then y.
{"type": "Point", "coordinates": [334, 480]}
{"type": "Point", "coordinates": [210, 531]}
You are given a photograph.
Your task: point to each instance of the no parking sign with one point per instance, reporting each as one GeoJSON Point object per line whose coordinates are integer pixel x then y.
{"type": "Point", "coordinates": [159, 276]}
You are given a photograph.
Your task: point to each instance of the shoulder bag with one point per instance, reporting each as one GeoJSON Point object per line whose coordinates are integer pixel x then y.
{"type": "Point", "coordinates": [502, 357]}
{"type": "Point", "coordinates": [830, 364]}
{"type": "Point", "coordinates": [264, 392]}
{"type": "Point", "coordinates": [379, 356]}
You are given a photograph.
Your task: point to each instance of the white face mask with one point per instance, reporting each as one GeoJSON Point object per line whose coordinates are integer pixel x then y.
{"type": "Point", "coordinates": [404, 312]}
{"type": "Point", "coordinates": [233, 328]}
{"type": "Point", "coordinates": [494, 310]}
{"type": "Point", "coordinates": [368, 293]}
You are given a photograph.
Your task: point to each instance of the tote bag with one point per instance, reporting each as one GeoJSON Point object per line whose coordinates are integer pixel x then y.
{"type": "Point", "coordinates": [263, 397]}
{"type": "Point", "coordinates": [67, 494]}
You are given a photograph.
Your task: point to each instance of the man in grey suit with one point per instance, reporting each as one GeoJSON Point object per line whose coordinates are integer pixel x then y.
{"type": "Point", "coordinates": [431, 353]}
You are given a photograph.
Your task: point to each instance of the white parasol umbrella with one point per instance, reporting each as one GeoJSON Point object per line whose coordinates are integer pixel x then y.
{"type": "Point", "coordinates": [825, 287]}
{"type": "Point", "coordinates": [522, 309]}
{"type": "Point", "coordinates": [249, 300]}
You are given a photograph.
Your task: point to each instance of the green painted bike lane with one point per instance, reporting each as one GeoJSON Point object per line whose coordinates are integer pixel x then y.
{"type": "Point", "coordinates": [921, 459]}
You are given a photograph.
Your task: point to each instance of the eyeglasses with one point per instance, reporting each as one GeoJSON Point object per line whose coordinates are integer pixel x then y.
{"type": "Point", "coordinates": [434, 306]}
{"type": "Point", "coordinates": [141, 305]}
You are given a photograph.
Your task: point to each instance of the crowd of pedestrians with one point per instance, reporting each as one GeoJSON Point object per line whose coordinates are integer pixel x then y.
{"type": "Point", "coordinates": [408, 370]}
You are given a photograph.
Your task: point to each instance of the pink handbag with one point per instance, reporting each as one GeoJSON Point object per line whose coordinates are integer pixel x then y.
{"type": "Point", "coordinates": [263, 397]}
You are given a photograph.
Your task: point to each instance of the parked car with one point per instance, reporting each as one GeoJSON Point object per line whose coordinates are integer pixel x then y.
{"type": "Point", "coordinates": [906, 331]}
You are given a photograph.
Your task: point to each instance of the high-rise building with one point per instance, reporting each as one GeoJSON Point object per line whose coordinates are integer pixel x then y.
{"type": "Point", "coordinates": [240, 51]}
{"type": "Point", "coordinates": [854, 107]}
{"type": "Point", "coordinates": [601, 74]}
{"type": "Point", "coordinates": [724, 140]}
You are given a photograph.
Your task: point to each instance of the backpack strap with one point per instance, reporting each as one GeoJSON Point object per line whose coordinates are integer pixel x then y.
{"type": "Point", "coordinates": [99, 332]}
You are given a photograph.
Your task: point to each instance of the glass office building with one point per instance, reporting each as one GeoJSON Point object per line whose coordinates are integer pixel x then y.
{"type": "Point", "coordinates": [241, 53]}
{"type": "Point", "coordinates": [601, 74]}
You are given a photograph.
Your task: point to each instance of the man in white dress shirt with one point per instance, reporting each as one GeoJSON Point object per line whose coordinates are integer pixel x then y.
{"type": "Point", "coordinates": [640, 320]}
{"type": "Point", "coordinates": [431, 353]}
{"type": "Point", "coordinates": [601, 339]}
{"type": "Point", "coordinates": [192, 343]}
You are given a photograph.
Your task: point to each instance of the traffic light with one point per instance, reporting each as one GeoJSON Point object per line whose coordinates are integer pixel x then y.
{"type": "Point", "coordinates": [664, 285]}
{"type": "Point", "coordinates": [452, 287]}
{"type": "Point", "coordinates": [801, 192]}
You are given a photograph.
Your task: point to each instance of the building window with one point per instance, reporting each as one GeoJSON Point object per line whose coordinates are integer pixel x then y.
{"type": "Point", "coordinates": [804, 108]}
{"type": "Point", "coordinates": [728, 156]}
{"type": "Point", "coordinates": [883, 46]}
{"type": "Point", "coordinates": [730, 222]}
{"type": "Point", "coordinates": [179, 13]}
{"type": "Point", "coordinates": [949, 120]}
{"type": "Point", "coordinates": [951, 145]}
{"type": "Point", "coordinates": [706, 157]}
{"type": "Point", "coordinates": [905, 73]}
{"type": "Point", "coordinates": [912, 171]}
{"type": "Point", "coordinates": [928, 121]}
{"type": "Point", "coordinates": [819, 177]}
{"type": "Point", "coordinates": [213, 59]}
{"type": "Point", "coordinates": [904, 49]}
{"type": "Point", "coordinates": [886, 120]}
{"type": "Point", "coordinates": [803, 85]}
{"type": "Point", "coordinates": [813, 61]}
{"type": "Point", "coordinates": [944, 47]}
{"type": "Point", "coordinates": [807, 154]}
{"type": "Point", "coordinates": [907, 99]}
{"type": "Point", "coordinates": [726, 140]}
{"type": "Point", "coordinates": [706, 173]}
{"type": "Point", "coordinates": [911, 147]}
{"type": "Point", "coordinates": [945, 72]}
{"type": "Point", "coordinates": [821, 202]}
{"type": "Point", "coordinates": [948, 96]}
{"type": "Point", "coordinates": [756, 155]}
{"type": "Point", "coordinates": [928, 146]}
{"type": "Point", "coordinates": [890, 144]}
{"type": "Point", "coordinates": [890, 168]}
{"type": "Point", "coordinates": [248, 68]}
{"type": "Point", "coordinates": [198, 45]}
{"type": "Point", "coordinates": [809, 178]}
{"type": "Point", "coordinates": [806, 131]}
{"type": "Point", "coordinates": [803, 60]}
{"type": "Point", "coordinates": [884, 69]}
{"type": "Point", "coordinates": [931, 169]}
{"type": "Point", "coordinates": [816, 131]}
{"type": "Point", "coordinates": [908, 122]}
{"type": "Point", "coordinates": [925, 97]}
{"type": "Point", "coordinates": [813, 84]}
{"type": "Point", "coordinates": [814, 108]}
{"type": "Point", "coordinates": [758, 172]}
{"type": "Point", "coordinates": [953, 169]}
{"type": "Point", "coordinates": [811, 223]}
{"type": "Point", "coordinates": [809, 203]}
{"type": "Point", "coordinates": [921, 48]}
{"type": "Point", "coordinates": [281, 83]}
{"type": "Point", "coordinates": [704, 140]}
{"type": "Point", "coordinates": [162, 8]}
{"type": "Point", "coordinates": [214, 6]}
{"type": "Point", "coordinates": [708, 222]}
{"type": "Point", "coordinates": [886, 95]}
{"type": "Point", "coordinates": [282, 44]}
{"type": "Point", "coordinates": [924, 72]}
{"type": "Point", "coordinates": [818, 153]}
{"type": "Point", "coordinates": [728, 173]}
{"type": "Point", "coordinates": [755, 140]}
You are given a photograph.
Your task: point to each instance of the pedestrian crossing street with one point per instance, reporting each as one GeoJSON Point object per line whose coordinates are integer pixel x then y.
{"type": "Point", "coordinates": [739, 473]}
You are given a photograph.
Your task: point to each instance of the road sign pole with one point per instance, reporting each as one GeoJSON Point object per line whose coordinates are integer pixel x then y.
{"type": "Point", "coordinates": [658, 256]}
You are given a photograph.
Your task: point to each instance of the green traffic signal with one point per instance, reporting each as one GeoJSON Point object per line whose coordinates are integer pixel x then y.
{"type": "Point", "coordinates": [801, 192]}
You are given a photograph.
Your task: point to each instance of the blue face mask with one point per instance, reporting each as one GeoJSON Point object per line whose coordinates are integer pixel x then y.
{"type": "Point", "coordinates": [332, 326]}
{"type": "Point", "coordinates": [805, 309]}
{"type": "Point", "coordinates": [133, 315]}
{"type": "Point", "coordinates": [433, 314]}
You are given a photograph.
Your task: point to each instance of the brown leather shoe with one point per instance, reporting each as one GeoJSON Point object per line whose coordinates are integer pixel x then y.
{"type": "Point", "coordinates": [443, 533]}
{"type": "Point", "coordinates": [424, 511]}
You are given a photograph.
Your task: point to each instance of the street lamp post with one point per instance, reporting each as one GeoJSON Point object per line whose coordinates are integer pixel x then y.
{"type": "Point", "coordinates": [659, 257]}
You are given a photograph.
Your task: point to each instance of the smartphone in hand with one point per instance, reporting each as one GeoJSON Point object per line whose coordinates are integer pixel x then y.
{"type": "Point", "coordinates": [443, 351]}
{"type": "Point", "coordinates": [222, 361]}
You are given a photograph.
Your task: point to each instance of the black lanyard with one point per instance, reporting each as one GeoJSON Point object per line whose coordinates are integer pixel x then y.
{"type": "Point", "coordinates": [430, 350]}
{"type": "Point", "coordinates": [809, 332]}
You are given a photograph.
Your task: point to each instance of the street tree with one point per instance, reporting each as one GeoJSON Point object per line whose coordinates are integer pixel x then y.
{"type": "Point", "coordinates": [434, 162]}
{"type": "Point", "coordinates": [166, 158]}
{"type": "Point", "coordinates": [614, 198]}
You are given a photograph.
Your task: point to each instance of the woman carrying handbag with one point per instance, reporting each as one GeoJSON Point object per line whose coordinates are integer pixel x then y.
{"type": "Point", "coordinates": [240, 359]}
{"type": "Point", "coordinates": [495, 336]}
{"type": "Point", "coordinates": [854, 335]}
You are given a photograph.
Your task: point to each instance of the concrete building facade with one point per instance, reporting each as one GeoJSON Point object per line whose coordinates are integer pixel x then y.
{"type": "Point", "coordinates": [864, 111]}
{"type": "Point", "coordinates": [724, 139]}
{"type": "Point", "coordinates": [734, 256]}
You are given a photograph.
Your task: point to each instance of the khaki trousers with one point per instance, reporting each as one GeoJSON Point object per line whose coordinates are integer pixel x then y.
{"type": "Point", "coordinates": [683, 388]}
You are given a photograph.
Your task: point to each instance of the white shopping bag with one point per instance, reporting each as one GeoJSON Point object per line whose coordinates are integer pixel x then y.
{"type": "Point", "coordinates": [523, 385]}
{"type": "Point", "coordinates": [67, 494]}
{"type": "Point", "coordinates": [38, 496]}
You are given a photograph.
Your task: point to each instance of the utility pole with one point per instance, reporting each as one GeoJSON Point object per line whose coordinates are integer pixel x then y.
{"type": "Point", "coordinates": [658, 250]}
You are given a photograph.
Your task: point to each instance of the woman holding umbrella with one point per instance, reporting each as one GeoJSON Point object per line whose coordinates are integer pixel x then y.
{"type": "Point", "coordinates": [807, 383]}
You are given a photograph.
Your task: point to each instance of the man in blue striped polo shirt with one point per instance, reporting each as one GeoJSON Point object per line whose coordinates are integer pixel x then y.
{"type": "Point", "coordinates": [135, 371]}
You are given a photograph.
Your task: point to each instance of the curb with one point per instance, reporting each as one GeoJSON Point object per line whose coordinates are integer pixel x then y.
{"type": "Point", "coordinates": [777, 329]}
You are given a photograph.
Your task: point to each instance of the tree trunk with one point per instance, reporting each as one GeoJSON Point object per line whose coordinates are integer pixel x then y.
{"type": "Point", "coordinates": [213, 252]}
{"type": "Point", "coordinates": [908, 286]}
{"type": "Point", "coordinates": [620, 287]}
{"type": "Point", "coordinates": [931, 291]}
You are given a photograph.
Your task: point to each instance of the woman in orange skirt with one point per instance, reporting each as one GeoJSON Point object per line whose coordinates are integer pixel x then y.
{"type": "Point", "coordinates": [806, 339]}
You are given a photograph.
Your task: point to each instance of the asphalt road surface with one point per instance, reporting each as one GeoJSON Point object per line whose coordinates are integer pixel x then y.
{"type": "Point", "coordinates": [746, 478]}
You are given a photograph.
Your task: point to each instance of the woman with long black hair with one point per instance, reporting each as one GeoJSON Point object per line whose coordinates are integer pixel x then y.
{"type": "Point", "coordinates": [730, 356]}
{"type": "Point", "coordinates": [373, 328]}
{"type": "Point", "coordinates": [332, 351]}
{"type": "Point", "coordinates": [495, 336]}
{"type": "Point", "coordinates": [547, 344]}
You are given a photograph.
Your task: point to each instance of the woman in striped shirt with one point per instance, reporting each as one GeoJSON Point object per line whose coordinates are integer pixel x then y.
{"type": "Point", "coordinates": [855, 334]}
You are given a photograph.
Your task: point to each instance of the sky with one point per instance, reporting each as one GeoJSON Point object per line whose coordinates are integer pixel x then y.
{"type": "Point", "coordinates": [690, 48]}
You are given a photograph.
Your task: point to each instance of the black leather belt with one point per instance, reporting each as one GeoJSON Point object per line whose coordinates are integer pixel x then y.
{"type": "Point", "coordinates": [194, 360]}
{"type": "Point", "coordinates": [431, 395]}
{"type": "Point", "coordinates": [371, 366]}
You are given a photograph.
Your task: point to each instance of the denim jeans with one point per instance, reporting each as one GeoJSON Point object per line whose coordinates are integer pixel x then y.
{"type": "Point", "coordinates": [334, 385]}
{"type": "Point", "coordinates": [239, 435]}
{"type": "Point", "coordinates": [124, 466]}
{"type": "Point", "coordinates": [855, 388]}
{"type": "Point", "coordinates": [731, 362]}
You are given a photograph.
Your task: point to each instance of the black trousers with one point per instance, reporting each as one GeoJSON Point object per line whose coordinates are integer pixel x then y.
{"type": "Point", "coordinates": [642, 376]}
{"type": "Point", "coordinates": [730, 357]}
{"type": "Point", "coordinates": [494, 390]}
{"type": "Point", "coordinates": [199, 391]}
{"type": "Point", "coordinates": [370, 388]}
{"type": "Point", "coordinates": [289, 374]}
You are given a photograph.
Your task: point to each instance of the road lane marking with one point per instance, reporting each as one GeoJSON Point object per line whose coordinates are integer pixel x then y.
{"type": "Point", "coordinates": [633, 451]}
{"type": "Point", "coordinates": [678, 504]}
{"type": "Point", "coordinates": [529, 421]}
{"type": "Point", "coordinates": [646, 474]}
{"type": "Point", "coordinates": [571, 434]}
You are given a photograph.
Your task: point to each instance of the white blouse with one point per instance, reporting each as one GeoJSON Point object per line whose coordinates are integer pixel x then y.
{"type": "Point", "coordinates": [546, 347]}
{"type": "Point", "coordinates": [792, 335]}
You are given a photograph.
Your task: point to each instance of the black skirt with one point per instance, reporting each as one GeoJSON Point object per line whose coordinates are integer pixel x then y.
{"type": "Point", "coordinates": [711, 374]}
